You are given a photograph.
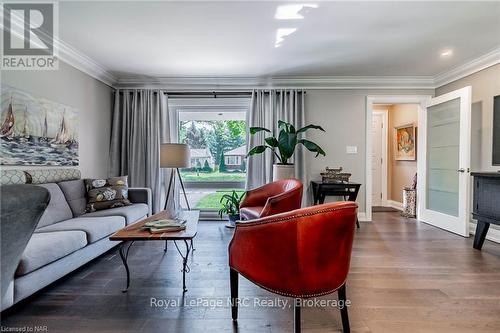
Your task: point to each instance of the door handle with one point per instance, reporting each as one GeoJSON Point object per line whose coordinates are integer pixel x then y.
{"type": "Point", "coordinates": [462, 170]}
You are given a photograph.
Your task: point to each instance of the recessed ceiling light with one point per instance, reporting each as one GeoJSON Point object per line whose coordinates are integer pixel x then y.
{"type": "Point", "coordinates": [446, 53]}
{"type": "Point", "coordinates": [292, 12]}
{"type": "Point", "coordinates": [281, 33]}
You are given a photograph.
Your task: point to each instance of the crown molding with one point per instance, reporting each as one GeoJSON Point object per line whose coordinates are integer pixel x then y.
{"type": "Point", "coordinates": [69, 54]}
{"type": "Point", "coordinates": [304, 82]}
{"type": "Point", "coordinates": [317, 82]}
{"type": "Point", "coordinates": [486, 60]}
{"type": "Point", "coordinates": [83, 63]}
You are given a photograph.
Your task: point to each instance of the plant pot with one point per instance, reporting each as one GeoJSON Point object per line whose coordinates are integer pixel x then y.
{"type": "Point", "coordinates": [283, 171]}
{"type": "Point", "coordinates": [232, 220]}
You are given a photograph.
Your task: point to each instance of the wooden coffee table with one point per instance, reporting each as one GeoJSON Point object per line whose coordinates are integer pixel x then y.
{"type": "Point", "coordinates": [134, 232]}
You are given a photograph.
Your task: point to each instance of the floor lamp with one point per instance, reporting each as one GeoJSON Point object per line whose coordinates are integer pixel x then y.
{"type": "Point", "coordinates": [175, 156]}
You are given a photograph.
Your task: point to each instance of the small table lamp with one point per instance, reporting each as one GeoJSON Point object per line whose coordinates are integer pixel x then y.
{"type": "Point", "coordinates": [175, 156]}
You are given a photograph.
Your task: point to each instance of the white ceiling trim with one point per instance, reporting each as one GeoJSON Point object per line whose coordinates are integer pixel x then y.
{"type": "Point", "coordinates": [69, 55]}
{"type": "Point", "coordinates": [77, 59]}
{"type": "Point", "coordinates": [487, 60]}
{"type": "Point", "coordinates": [84, 63]}
{"type": "Point", "coordinates": [80, 61]}
{"type": "Point", "coordinates": [304, 82]}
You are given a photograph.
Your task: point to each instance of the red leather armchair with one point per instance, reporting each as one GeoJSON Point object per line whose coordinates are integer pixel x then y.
{"type": "Point", "coordinates": [301, 254]}
{"type": "Point", "coordinates": [273, 198]}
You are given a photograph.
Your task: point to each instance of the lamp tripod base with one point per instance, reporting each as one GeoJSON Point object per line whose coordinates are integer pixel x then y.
{"type": "Point", "coordinates": [172, 175]}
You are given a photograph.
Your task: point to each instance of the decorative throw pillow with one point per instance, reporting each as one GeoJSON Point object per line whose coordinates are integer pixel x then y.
{"type": "Point", "coordinates": [106, 193]}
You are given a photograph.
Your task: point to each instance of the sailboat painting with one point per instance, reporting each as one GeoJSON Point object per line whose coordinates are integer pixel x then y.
{"type": "Point", "coordinates": [36, 131]}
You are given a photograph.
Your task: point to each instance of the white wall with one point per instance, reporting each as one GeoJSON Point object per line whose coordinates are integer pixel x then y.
{"type": "Point", "coordinates": [400, 173]}
{"type": "Point", "coordinates": [342, 113]}
{"type": "Point", "coordinates": [485, 85]}
{"type": "Point", "coordinates": [90, 97]}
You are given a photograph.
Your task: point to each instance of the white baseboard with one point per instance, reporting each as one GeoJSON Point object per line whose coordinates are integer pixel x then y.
{"type": "Point", "coordinates": [395, 204]}
{"type": "Point", "coordinates": [362, 217]}
{"type": "Point", "coordinates": [492, 235]}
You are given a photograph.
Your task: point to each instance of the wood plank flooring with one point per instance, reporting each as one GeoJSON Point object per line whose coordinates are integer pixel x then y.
{"type": "Point", "coordinates": [405, 276]}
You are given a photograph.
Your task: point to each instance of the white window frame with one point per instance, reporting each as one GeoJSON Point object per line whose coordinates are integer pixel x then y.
{"type": "Point", "coordinates": [232, 104]}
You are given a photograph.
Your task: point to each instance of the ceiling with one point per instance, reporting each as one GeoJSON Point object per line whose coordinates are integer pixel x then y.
{"type": "Point", "coordinates": [237, 39]}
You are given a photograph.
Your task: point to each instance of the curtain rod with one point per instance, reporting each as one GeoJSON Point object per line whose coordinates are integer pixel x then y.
{"type": "Point", "coordinates": [204, 94]}
{"type": "Point", "coordinates": [215, 94]}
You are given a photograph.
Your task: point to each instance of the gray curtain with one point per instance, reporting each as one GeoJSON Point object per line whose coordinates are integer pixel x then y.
{"type": "Point", "coordinates": [267, 107]}
{"type": "Point", "coordinates": [139, 124]}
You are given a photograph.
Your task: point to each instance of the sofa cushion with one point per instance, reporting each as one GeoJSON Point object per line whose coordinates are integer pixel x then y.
{"type": "Point", "coordinates": [106, 193]}
{"type": "Point", "coordinates": [11, 177]}
{"type": "Point", "coordinates": [96, 228]}
{"type": "Point", "coordinates": [132, 213]}
{"type": "Point", "coordinates": [46, 247]}
{"type": "Point", "coordinates": [58, 209]}
{"type": "Point", "coordinates": [75, 193]}
{"type": "Point", "coordinates": [52, 175]}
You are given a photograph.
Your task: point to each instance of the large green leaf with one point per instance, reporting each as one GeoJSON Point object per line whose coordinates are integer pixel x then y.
{"type": "Point", "coordinates": [254, 130]}
{"type": "Point", "coordinates": [305, 128]}
{"type": "Point", "coordinates": [312, 147]}
{"type": "Point", "coordinates": [287, 142]}
{"type": "Point", "coordinates": [272, 141]}
{"type": "Point", "coordinates": [282, 125]}
{"type": "Point", "coordinates": [257, 150]}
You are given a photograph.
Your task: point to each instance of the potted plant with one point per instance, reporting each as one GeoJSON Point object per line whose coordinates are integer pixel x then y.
{"type": "Point", "coordinates": [231, 206]}
{"type": "Point", "coordinates": [284, 146]}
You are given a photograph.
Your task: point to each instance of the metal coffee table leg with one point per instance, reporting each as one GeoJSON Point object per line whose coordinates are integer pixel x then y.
{"type": "Point", "coordinates": [185, 267]}
{"type": "Point", "coordinates": [124, 256]}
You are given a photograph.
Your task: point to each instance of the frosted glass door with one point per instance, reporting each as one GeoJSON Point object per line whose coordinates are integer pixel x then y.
{"type": "Point", "coordinates": [444, 160]}
{"type": "Point", "coordinates": [443, 151]}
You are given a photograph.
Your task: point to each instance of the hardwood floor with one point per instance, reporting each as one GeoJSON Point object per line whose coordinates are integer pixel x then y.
{"type": "Point", "coordinates": [405, 276]}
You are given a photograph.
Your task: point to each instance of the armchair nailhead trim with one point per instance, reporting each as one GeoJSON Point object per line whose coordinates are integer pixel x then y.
{"type": "Point", "coordinates": [291, 295]}
{"type": "Point", "coordinates": [283, 219]}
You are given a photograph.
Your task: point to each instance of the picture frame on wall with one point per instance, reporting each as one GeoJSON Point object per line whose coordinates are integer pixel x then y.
{"type": "Point", "coordinates": [405, 143]}
{"type": "Point", "coordinates": [36, 131]}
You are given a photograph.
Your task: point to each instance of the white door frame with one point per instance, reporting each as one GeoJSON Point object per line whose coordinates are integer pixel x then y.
{"type": "Point", "coordinates": [421, 100]}
{"type": "Point", "coordinates": [385, 154]}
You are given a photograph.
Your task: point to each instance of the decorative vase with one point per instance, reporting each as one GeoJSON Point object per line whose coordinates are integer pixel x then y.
{"type": "Point", "coordinates": [232, 220]}
{"type": "Point", "coordinates": [283, 171]}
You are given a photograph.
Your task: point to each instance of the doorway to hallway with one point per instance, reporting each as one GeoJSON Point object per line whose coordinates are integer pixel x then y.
{"type": "Point", "coordinates": [393, 156]}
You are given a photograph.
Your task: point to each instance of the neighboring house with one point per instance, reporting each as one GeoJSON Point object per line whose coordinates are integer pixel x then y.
{"type": "Point", "coordinates": [235, 159]}
{"type": "Point", "coordinates": [201, 155]}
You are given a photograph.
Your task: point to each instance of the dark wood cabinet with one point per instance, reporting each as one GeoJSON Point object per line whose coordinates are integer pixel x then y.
{"type": "Point", "coordinates": [349, 191]}
{"type": "Point", "coordinates": [486, 204]}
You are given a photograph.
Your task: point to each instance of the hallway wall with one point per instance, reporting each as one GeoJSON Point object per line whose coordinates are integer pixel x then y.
{"type": "Point", "coordinates": [400, 173]}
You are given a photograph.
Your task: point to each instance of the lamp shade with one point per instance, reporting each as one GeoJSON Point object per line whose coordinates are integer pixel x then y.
{"type": "Point", "coordinates": [174, 155]}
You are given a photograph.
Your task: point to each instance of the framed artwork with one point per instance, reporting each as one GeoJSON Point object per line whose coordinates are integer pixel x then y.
{"type": "Point", "coordinates": [405, 143]}
{"type": "Point", "coordinates": [36, 131]}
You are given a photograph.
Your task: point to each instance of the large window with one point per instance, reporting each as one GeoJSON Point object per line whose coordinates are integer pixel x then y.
{"type": "Point", "coordinates": [216, 135]}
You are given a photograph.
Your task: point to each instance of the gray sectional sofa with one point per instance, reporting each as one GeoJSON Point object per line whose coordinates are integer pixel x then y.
{"type": "Point", "coordinates": [66, 237]}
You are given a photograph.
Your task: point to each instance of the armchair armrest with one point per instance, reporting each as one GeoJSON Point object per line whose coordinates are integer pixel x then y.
{"type": "Point", "coordinates": [282, 202]}
{"type": "Point", "coordinates": [300, 253]}
{"type": "Point", "coordinates": [257, 196]}
{"type": "Point", "coordinates": [141, 195]}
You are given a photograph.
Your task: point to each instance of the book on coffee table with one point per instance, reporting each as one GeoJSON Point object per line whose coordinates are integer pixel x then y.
{"type": "Point", "coordinates": [164, 225]}
{"type": "Point", "coordinates": [167, 229]}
